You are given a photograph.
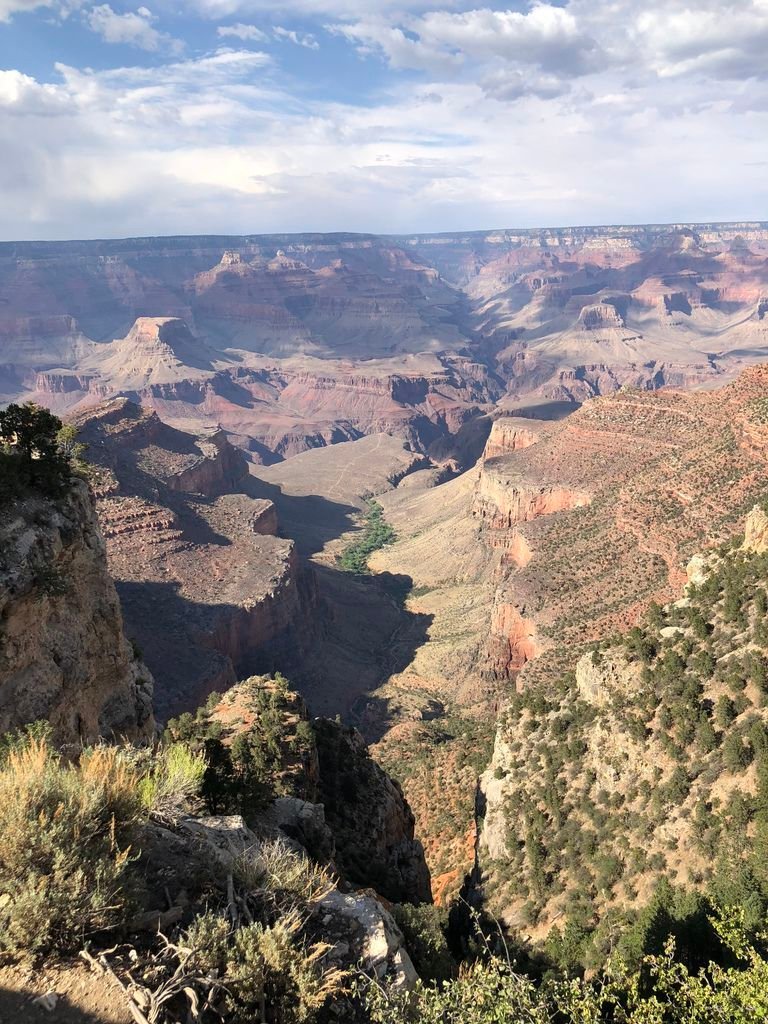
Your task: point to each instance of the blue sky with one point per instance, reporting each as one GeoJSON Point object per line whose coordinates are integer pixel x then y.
{"type": "Point", "coordinates": [369, 115]}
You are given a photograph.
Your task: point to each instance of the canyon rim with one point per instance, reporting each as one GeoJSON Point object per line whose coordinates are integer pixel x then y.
{"type": "Point", "coordinates": [383, 512]}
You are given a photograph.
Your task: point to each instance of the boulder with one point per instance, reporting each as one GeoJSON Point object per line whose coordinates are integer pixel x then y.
{"type": "Point", "coordinates": [363, 932]}
{"type": "Point", "coordinates": [303, 822]}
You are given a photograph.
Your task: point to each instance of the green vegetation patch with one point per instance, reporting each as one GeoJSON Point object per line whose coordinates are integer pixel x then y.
{"type": "Point", "coordinates": [253, 758]}
{"type": "Point", "coordinates": [376, 534]}
{"type": "Point", "coordinates": [661, 991]}
{"type": "Point", "coordinates": [75, 837]}
{"type": "Point", "coordinates": [680, 792]}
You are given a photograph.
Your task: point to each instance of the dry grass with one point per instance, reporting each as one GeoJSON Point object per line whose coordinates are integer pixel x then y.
{"type": "Point", "coordinates": [65, 844]}
{"type": "Point", "coordinates": [277, 868]}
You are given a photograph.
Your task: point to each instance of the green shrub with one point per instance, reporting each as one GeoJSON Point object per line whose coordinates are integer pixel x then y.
{"type": "Point", "coordinates": [270, 966]}
{"type": "Point", "coordinates": [267, 968]}
{"type": "Point", "coordinates": [66, 835]}
{"type": "Point", "coordinates": [423, 928]}
{"type": "Point", "coordinates": [245, 774]}
{"type": "Point", "coordinates": [174, 778]}
{"type": "Point", "coordinates": [662, 990]}
{"type": "Point", "coordinates": [265, 971]}
{"type": "Point", "coordinates": [36, 452]}
{"type": "Point", "coordinates": [292, 878]}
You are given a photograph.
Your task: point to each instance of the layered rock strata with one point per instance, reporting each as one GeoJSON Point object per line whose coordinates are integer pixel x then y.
{"type": "Point", "coordinates": [63, 654]}
{"type": "Point", "coordinates": [210, 592]}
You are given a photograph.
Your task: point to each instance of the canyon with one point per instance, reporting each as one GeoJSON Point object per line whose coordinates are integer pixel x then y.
{"type": "Point", "coordinates": [206, 585]}
{"type": "Point", "coordinates": [293, 342]}
{"type": "Point", "coordinates": [553, 423]}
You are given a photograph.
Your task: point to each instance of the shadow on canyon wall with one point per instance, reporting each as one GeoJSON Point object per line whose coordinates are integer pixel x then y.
{"type": "Point", "coordinates": [336, 635]}
{"type": "Point", "coordinates": [310, 520]}
{"type": "Point", "coordinates": [547, 410]}
{"type": "Point", "coordinates": [366, 635]}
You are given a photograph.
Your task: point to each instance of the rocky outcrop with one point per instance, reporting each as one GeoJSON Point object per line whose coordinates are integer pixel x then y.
{"type": "Point", "coordinates": [505, 497]}
{"type": "Point", "coordinates": [186, 858]}
{"type": "Point", "coordinates": [362, 933]}
{"type": "Point", "coordinates": [63, 654]}
{"type": "Point", "coordinates": [494, 835]}
{"type": "Point", "coordinates": [603, 676]}
{"type": "Point", "coordinates": [696, 570]}
{"type": "Point", "coordinates": [600, 316]}
{"type": "Point", "coordinates": [61, 382]}
{"type": "Point", "coordinates": [512, 639]}
{"type": "Point", "coordinates": [510, 434]}
{"type": "Point", "coordinates": [263, 518]}
{"type": "Point", "coordinates": [303, 822]}
{"type": "Point", "coordinates": [205, 617]}
{"type": "Point", "coordinates": [517, 550]}
{"type": "Point", "coordinates": [241, 632]}
{"type": "Point", "coordinates": [156, 350]}
{"type": "Point", "coordinates": [336, 801]}
{"type": "Point", "coordinates": [756, 531]}
{"type": "Point", "coordinates": [372, 824]}
{"type": "Point", "coordinates": [220, 468]}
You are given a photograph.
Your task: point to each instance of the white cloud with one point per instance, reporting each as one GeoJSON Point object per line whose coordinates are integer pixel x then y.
{"type": "Point", "coordinates": [722, 43]}
{"type": "Point", "coordinates": [215, 144]}
{"type": "Point", "coordinates": [510, 85]}
{"type": "Point", "coordinates": [312, 8]}
{"type": "Point", "coordinates": [305, 39]}
{"type": "Point", "coordinates": [22, 95]}
{"type": "Point", "coordinates": [400, 48]}
{"type": "Point", "coordinates": [134, 28]}
{"type": "Point", "coordinates": [8, 8]}
{"type": "Point", "coordinates": [248, 33]}
{"type": "Point", "coordinates": [547, 38]}
{"type": "Point", "coordinates": [661, 38]}
{"type": "Point", "coordinates": [590, 111]}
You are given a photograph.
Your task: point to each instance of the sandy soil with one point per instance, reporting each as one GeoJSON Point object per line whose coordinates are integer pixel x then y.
{"type": "Point", "coordinates": [67, 993]}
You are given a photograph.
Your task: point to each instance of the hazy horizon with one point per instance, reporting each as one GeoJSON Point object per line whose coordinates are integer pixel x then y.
{"type": "Point", "coordinates": [506, 229]}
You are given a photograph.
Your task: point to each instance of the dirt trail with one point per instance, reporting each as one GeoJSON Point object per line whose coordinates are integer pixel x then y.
{"type": "Point", "coordinates": [64, 993]}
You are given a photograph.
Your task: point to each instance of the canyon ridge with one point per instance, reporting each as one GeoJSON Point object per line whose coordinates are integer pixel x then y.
{"type": "Point", "coordinates": [460, 491]}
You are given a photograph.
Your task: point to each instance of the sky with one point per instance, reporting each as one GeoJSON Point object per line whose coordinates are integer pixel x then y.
{"type": "Point", "coordinates": [250, 116]}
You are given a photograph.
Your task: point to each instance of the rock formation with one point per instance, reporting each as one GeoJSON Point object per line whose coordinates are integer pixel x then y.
{"type": "Point", "coordinates": [599, 677]}
{"type": "Point", "coordinates": [187, 856]}
{"type": "Point", "coordinates": [505, 498]}
{"type": "Point", "coordinates": [209, 591]}
{"type": "Point", "coordinates": [291, 342]}
{"type": "Point", "coordinates": [336, 800]}
{"type": "Point", "coordinates": [509, 434]}
{"type": "Point", "coordinates": [63, 654]}
{"type": "Point", "coordinates": [602, 314]}
{"type": "Point", "coordinates": [512, 639]}
{"type": "Point", "coordinates": [756, 531]}
{"type": "Point", "coordinates": [371, 821]}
